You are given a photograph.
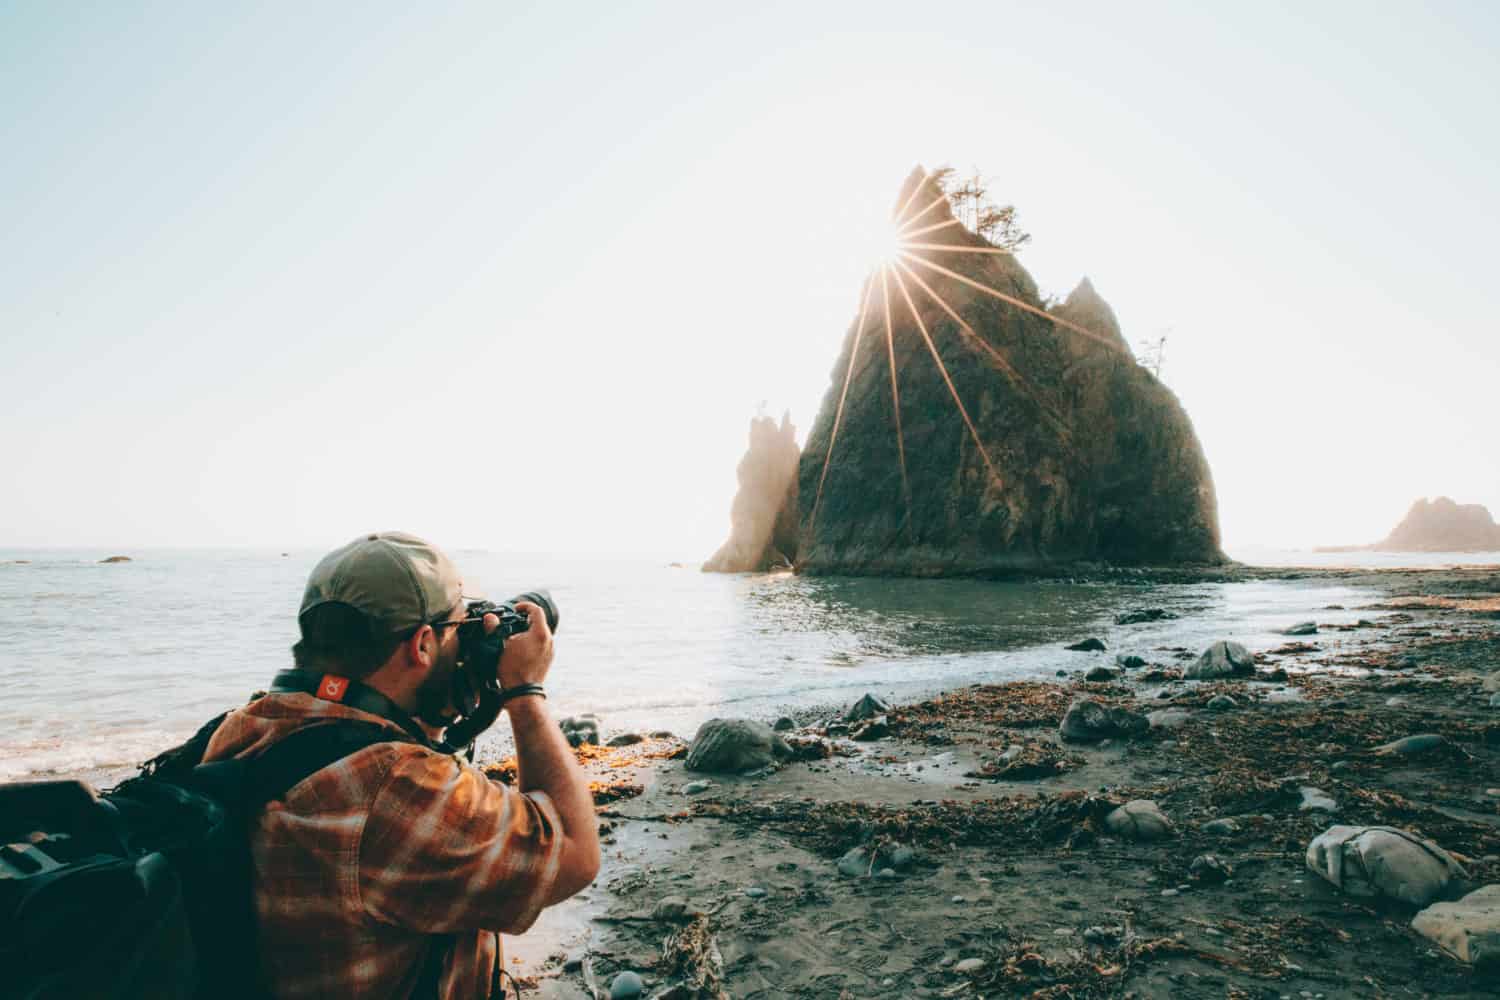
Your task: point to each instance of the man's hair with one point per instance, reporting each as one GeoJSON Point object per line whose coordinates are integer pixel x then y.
{"type": "Point", "coordinates": [340, 639]}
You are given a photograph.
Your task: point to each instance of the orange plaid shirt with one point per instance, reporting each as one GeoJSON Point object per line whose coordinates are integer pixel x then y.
{"type": "Point", "coordinates": [366, 860]}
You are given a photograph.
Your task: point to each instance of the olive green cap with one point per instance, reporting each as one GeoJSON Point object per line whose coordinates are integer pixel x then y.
{"type": "Point", "coordinates": [395, 578]}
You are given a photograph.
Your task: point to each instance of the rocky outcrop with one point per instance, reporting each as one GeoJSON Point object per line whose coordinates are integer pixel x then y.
{"type": "Point", "coordinates": [763, 518]}
{"type": "Point", "coordinates": [1071, 450]}
{"type": "Point", "coordinates": [1444, 526]}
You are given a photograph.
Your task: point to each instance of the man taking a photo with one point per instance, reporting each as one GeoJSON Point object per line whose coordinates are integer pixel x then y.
{"type": "Point", "coordinates": [392, 872]}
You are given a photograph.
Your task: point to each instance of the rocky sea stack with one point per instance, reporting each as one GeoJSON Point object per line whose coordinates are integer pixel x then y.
{"type": "Point", "coordinates": [763, 519]}
{"type": "Point", "coordinates": [1076, 453]}
{"type": "Point", "coordinates": [1444, 526]}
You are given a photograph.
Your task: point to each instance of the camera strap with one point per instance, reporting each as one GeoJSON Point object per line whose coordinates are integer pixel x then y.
{"type": "Point", "coordinates": [347, 691]}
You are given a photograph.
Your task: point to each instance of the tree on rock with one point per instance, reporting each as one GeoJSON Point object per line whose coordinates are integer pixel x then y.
{"type": "Point", "coordinates": [972, 206]}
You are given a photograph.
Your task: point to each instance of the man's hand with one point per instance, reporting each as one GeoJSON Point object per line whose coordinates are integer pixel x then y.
{"type": "Point", "coordinates": [527, 656]}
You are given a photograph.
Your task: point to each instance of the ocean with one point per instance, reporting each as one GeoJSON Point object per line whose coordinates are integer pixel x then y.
{"type": "Point", "coordinates": [103, 665]}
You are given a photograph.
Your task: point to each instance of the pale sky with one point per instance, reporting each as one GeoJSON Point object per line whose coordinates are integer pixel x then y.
{"type": "Point", "coordinates": [517, 276]}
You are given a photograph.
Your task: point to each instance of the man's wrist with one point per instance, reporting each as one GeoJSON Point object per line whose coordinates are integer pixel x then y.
{"type": "Point", "coordinates": [531, 696]}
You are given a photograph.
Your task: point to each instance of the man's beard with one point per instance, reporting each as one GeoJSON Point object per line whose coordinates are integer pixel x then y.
{"type": "Point", "coordinates": [435, 696]}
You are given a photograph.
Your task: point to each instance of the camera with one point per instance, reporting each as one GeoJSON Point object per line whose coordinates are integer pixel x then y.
{"type": "Point", "coordinates": [476, 682]}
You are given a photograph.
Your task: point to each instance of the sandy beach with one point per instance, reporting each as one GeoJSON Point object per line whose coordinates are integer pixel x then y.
{"type": "Point", "coordinates": [967, 852]}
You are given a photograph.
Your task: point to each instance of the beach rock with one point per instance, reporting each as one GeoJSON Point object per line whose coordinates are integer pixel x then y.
{"type": "Point", "coordinates": [1468, 929]}
{"type": "Point", "coordinates": [1086, 456]}
{"type": "Point", "coordinates": [1130, 662]}
{"type": "Point", "coordinates": [1221, 828]}
{"type": "Point", "coordinates": [1411, 746]}
{"type": "Point", "coordinates": [1383, 861]}
{"type": "Point", "coordinates": [1139, 819]}
{"type": "Point", "coordinates": [763, 518]}
{"type": "Point", "coordinates": [755, 892]}
{"type": "Point", "coordinates": [625, 740]}
{"type": "Point", "coordinates": [1221, 703]}
{"type": "Point", "coordinates": [886, 873]}
{"type": "Point", "coordinates": [1099, 674]}
{"type": "Point", "coordinates": [696, 787]}
{"type": "Point", "coordinates": [1222, 659]}
{"type": "Point", "coordinates": [580, 730]}
{"type": "Point", "coordinates": [783, 724]}
{"type": "Point", "coordinates": [1089, 645]}
{"type": "Point", "coordinates": [673, 909]}
{"type": "Point", "coordinates": [1168, 718]}
{"type": "Point", "coordinates": [1207, 869]}
{"type": "Point", "coordinates": [903, 857]}
{"type": "Point", "coordinates": [626, 986]}
{"type": "Point", "coordinates": [735, 745]}
{"type": "Point", "coordinates": [1302, 628]}
{"type": "Point", "coordinates": [1088, 721]}
{"type": "Point", "coordinates": [867, 708]}
{"type": "Point", "coordinates": [1140, 615]}
{"type": "Point", "coordinates": [116, 559]}
{"type": "Point", "coordinates": [1492, 682]}
{"type": "Point", "coordinates": [969, 966]}
{"type": "Point", "coordinates": [875, 729]}
{"type": "Point", "coordinates": [1495, 700]}
{"type": "Point", "coordinates": [855, 863]}
{"type": "Point", "coordinates": [1316, 800]}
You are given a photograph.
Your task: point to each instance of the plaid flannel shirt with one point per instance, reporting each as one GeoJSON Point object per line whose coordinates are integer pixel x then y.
{"type": "Point", "coordinates": [364, 861]}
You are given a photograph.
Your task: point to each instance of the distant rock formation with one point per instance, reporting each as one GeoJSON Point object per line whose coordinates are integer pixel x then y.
{"type": "Point", "coordinates": [116, 559]}
{"type": "Point", "coordinates": [1086, 457]}
{"type": "Point", "coordinates": [1444, 526]}
{"type": "Point", "coordinates": [763, 518]}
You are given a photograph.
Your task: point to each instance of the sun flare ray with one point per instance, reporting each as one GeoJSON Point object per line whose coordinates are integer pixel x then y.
{"type": "Point", "coordinates": [906, 235]}
{"type": "Point", "coordinates": [838, 415]}
{"type": "Point", "coordinates": [956, 248]}
{"type": "Point", "coordinates": [947, 380]}
{"type": "Point", "coordinates": [890, 350]}
{"type": "Point", "coordinates": [911, 196]}
{"type": "Point", "coordinates": [906, 224]}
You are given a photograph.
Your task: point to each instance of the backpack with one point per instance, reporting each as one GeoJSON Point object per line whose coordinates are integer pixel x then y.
{"type": "Point", "coordinates": [146, 890]}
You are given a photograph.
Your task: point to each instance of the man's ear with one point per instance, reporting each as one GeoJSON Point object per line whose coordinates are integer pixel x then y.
{"type": "Point", "coordinates": [421, 648]}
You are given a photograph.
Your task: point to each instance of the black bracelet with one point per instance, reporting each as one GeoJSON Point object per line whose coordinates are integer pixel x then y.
{"type": "Point", "coordinates": [520, 691]}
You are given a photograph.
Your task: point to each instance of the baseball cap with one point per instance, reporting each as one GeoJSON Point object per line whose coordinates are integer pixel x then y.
{"type": "Point", "coordinates": [396, 579]}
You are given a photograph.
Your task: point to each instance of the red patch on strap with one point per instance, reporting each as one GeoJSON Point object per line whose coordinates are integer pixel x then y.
{"type": "Point", "coordinates": [332, 687]}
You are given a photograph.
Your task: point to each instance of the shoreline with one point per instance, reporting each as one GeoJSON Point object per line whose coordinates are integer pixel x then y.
{"type": "Point", "coordinates": [1020, 888]}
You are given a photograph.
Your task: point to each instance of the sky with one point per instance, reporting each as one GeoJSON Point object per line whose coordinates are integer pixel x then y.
{"type": "Point", "coordinates": [517, 276]}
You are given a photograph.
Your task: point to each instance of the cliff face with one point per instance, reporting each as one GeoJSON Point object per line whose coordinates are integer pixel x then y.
{"type": "Point", "coordinates": [763, 518]}
{"type": "Point", "coordinates": [1076, 452]}
{"type": "Point", "coordinates": [1444, 526]}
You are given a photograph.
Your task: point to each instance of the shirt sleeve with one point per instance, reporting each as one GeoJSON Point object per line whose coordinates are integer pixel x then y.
{"type": "Point", "coordinates": [445, 849]}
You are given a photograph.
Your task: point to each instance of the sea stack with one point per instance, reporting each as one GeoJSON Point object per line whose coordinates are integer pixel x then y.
{"type": "Point", "coordinates": [1442, 525]}
{"type": "Point", "coordinates": [763, 518]}
{"type": "Point", "coordinates": [1059, 447]}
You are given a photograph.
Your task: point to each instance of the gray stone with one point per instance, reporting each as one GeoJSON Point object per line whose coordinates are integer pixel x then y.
{"type": "Point", "coordinates": [855, 863]}
{"type": "Point", "coordinates": [867, 708]}
{"type": "Point", "coordinates": [886, 873]}
{"type": "Point", "coordinates": [1468, 929]}
{"type": "Point", "coordinates": [1316, 800]}
{"type": "Point", "coordinates": [626, 986]}
{"type": "Point", "coordinates": [1168, 718]}
{"type": "Point", "coordinates": [874, 729]}
{"type": "Point", "coordinates": [1089, 645]}
{"type": "Point", "coordinates": [1207, 869]}
{"type": "Point", "coordinates": [1222, 703]}
{"type": "Point", "coordinates": [626, 739]}
{"type": "Point", "coordinates": [1221, 828]}
{"type": "Point", "coordinates": [783, 724]}
{"type": "Point", "coordinates": [1222, 659]}
{"type": "Point", "coordinates": [1411, 746]}
{"type": "Point", "coordinates": [672, 909]}
{"type": "Point", "coordinates": [903, 857]}
{"type": "Point", "coordinates": [1088, 721]}
{"type": "Point", "coordinates": [694, 787]}
{"type": "Point", "coordinates": [1131, 662]}
{"type": "Point", "coordinates": [579, 730]}
{"type": "Point", "coordinates": [1495, 700]}
{"type": "Point", "coordinates": [1383, 861]}
{"type": "Point", "coordinates": [968, 966]}
{"type": "Point", "coordinates": [755, 892]}
{"type": "Point", "coordinates": [736, 745]}
{"type": "Point", "coordinates": [1396, 701]}
{"type": "Point", "coordinates": [1139, 819]}
{"type": "Point", "coordinates": [1492, 682]}
{"type": "Point", "coordinates": [1097, 674]}
{"type": "Point", "coordinates": [1302, 628]}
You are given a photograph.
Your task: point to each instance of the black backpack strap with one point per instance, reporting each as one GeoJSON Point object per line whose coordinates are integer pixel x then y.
{"type": "Point", "coordinates": [307, 751]}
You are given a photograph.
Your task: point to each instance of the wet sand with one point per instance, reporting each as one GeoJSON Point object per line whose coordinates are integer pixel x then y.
{"type": "Point", "coordinates": [1015, 886]}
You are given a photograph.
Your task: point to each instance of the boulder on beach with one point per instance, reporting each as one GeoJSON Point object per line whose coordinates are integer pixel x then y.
{"type": "Point", "coordinates": [763, 515]}
{"type": "Point", "coordinates": [1411, 746]}
{"type": "Point", "coordinates": [736, 746]}
{"type": "Point", "coordinates": [1066, 450]}
{"type": "Point", "coordinates": [1100, 675]}
{"type": "Point", "coordinates": [1302, 628]}
{"type": "Point", "coordinates": [1130, 661]}
{"type": "Point", "coordinates": [1087, 721]}
{"type": "Point", "coordinates": [1383, 861]}
{"type": "Point", "coordinates": [1222, 659]}
{"type": "Point", "coordinates": [1089, 645]}
{"type": "Point", "coordinates": [1139, 819]}
{"type": "Point", "coordinates": [1468, 929]}
{"type": "Point", "coordinates": [1141, 615]}
{"type": "Point", "coordinates": [579, 730]}
{"type": "Point", "coordinates": [867, 707]}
